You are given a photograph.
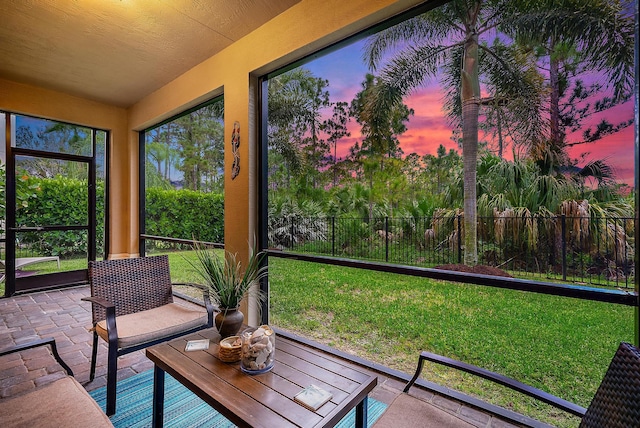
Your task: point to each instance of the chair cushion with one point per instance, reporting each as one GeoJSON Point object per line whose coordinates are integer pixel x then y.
{"type": "Point", "coordinates": [153, 324]}
{"type": "Point", "coordinates": [63, 403]}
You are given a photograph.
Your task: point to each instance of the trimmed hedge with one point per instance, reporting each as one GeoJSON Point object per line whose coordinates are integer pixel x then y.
{"type": "Point", "coordinates": [59, 201]}
{"type": "Point", "coordinates": [185, 214]}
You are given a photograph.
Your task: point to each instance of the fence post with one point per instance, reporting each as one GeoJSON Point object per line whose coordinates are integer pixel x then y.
{"type": "Point", "coordinates": [626, 254]}
{"type": "Point", "coordinates": [292, 233]}
{"type": "Point", "coordinates": [459, 239]}
{"type": "Point", "coordinates": [333, 236]}
{"type": "Point", "coordinates": [386, 239]}
{"type": "Point", "coordinates": [563, 222]}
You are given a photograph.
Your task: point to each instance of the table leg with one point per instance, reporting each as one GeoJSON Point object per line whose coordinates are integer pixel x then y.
{"type": "Point", "coordinates": [157, 419]}
{"type": "Point", "coordinates": [361, 413]}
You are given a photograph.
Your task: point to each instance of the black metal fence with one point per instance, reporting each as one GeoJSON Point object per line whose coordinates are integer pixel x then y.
{"type": "Point", "coordinates": [587, 250]}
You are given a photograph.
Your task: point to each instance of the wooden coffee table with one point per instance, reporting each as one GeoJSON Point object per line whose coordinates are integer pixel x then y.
{"type": "Point", "coordinates": [264, 400]}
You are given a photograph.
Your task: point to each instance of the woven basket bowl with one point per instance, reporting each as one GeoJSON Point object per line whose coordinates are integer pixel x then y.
{"type": "Point", "coordinates": [230, 349]}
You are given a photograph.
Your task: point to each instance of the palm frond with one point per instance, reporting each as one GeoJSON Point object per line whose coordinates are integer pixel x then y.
{"type": "Point", "coordinates": [597, 28]}
{"type": "Point", "coordinates": [434, 25]}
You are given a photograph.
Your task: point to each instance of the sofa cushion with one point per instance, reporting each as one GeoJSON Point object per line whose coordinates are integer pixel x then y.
{"type": "Point", "coordinates": [152, 324]}
{"type": "Point", "coordinates": [63, 403]}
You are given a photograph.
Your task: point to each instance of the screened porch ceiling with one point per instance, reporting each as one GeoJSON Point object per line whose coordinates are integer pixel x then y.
{"type": "Point", "coordinates": [119, 51]}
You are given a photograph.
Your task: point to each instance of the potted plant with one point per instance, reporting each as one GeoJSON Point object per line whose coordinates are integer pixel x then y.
{"type": "Point", "coordinates": [228, 282]}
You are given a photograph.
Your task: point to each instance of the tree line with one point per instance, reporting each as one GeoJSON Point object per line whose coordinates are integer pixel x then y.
{"type": "Point", "coordinates": [188, 152]}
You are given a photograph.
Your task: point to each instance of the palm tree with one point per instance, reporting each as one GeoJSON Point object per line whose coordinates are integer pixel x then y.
{"type": "Point", "coordinates": [458, 39]}
{"type": "Point", "coordinates": [571, 37]}
{"type": "Point", "coordinates": [287, 105]}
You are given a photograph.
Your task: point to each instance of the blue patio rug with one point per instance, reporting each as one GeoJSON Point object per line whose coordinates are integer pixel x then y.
{"type": "Point", "coordinates": [182, 408]}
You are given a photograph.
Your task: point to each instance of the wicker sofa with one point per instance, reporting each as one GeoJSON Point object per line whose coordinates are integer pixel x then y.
{"type": "Point", "coordinates": [62, 403]}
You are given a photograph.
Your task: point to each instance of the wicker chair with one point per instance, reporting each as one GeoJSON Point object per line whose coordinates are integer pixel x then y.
{"type": "Point", "coordinates": [615, 405]}
{"type": "Point", "coordinates": [137, 293]}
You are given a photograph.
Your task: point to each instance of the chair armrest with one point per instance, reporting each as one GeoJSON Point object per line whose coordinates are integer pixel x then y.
{"type": "Point", "coordinates": [529, 390]}
{"type": "Point", "coordinates": [34, 344]}
{"type": "Point", "coordinates": [99, 301]}
{"type": "Point", "coordinates": [110, 309]}
{"type": "Point", "coordinates": [205, 297]}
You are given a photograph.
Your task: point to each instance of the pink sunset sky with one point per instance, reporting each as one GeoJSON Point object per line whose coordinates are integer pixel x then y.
{"type": "Point", "coordinates": [428, 128]}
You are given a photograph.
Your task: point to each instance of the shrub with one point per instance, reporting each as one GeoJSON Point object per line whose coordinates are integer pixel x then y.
{"type": "Point", "coordinates": [185, 214]}
{"type": "Point", "coordinates": [60, 201]}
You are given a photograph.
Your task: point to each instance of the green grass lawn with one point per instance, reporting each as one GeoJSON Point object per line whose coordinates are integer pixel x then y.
{"type": "Point", "coordinates": [558, 344]}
